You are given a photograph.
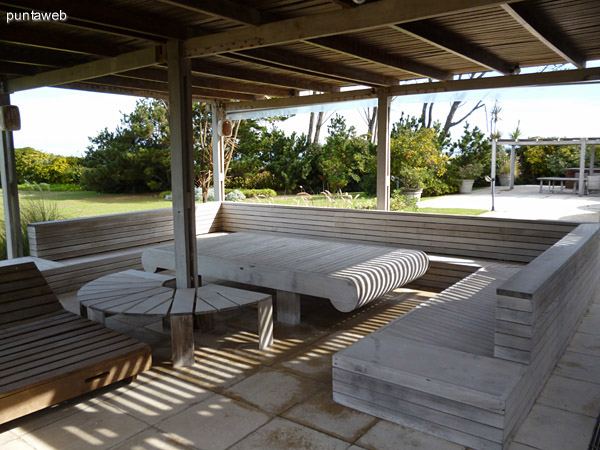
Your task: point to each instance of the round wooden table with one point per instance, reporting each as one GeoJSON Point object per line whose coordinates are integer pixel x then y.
{"type": "Point", "coordinates": [138, 293]}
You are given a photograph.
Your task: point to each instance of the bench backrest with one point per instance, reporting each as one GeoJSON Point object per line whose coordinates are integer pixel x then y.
{"type": "Point", "coordinates": [24, 295]}
{"type": "Point", "coordinates": [538, 309]}
{"type": "Point", "coordinates": [72, 238]}
{"type": "Point", "coordinates": [457, 236]}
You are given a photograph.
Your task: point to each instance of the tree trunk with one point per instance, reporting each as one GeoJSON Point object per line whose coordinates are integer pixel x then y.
{"type": "Point", "coordinates": [318, 128]}
{"type": "Point", "coordinates": [311, 125]}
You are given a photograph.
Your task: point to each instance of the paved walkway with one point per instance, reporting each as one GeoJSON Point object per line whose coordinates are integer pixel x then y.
{"type": "Point", "coordinates": [525, 202]}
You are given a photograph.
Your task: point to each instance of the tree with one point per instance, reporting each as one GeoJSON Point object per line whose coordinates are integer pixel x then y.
{"type": "Point", "coordinates": [36, 166]}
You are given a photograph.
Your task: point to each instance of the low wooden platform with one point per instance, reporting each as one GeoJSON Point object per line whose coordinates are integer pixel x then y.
{"type": "Point", "coordinates": [134, 292]}
{"type": "Point", "coordinates": [468, 364]}
{"type": "Point", "coordinates": [350, 275]}
{"type": "Point", "coordinates": [48, 355]}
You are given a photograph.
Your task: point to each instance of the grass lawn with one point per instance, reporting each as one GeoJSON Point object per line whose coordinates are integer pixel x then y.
{"type": "Point", "coordinates": [85, 203]}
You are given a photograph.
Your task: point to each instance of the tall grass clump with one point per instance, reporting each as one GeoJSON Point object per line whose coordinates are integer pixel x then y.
{"type": "Point", "coordinates": [36, 206]}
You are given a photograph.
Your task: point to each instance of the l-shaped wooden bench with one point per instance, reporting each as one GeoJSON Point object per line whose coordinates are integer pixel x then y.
{"type": "Point", "coordinates": [47, 354]}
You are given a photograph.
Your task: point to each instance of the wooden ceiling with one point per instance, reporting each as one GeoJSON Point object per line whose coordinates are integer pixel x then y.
{"type": "Point", "coordinates": [244, 50]}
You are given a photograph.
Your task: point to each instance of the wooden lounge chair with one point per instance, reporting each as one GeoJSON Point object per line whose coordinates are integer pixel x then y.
{"type": "Point", "coordinates": [47, 354]}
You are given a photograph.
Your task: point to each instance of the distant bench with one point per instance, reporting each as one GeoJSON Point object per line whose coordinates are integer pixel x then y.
{"type": "Point", "coordinates": [73, 252]}
{"type": "Point", "coordinates": [468, 364]}
{"type": "Point", "coordinates": [560, 180]}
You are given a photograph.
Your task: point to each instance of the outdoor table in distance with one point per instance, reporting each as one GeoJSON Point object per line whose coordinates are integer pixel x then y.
{"type": "Point", "coordinates": [551, 181]}
{"type": "Point", "coordinates": [134, 292]}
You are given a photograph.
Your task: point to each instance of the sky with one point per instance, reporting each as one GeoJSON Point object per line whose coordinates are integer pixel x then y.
{"type": "Point", "coordinates": [60, 121]}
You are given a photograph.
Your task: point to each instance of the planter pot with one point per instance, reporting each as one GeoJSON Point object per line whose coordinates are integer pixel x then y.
{"type": "Point", "coordinates": [413, 193]}
{"type": "Point", "coordinates": [466, 187]}
{"type": "Point", "coordinates": [504, 179]}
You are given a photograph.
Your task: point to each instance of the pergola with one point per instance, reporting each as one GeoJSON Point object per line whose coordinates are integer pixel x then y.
{"type": "Point", "coordinates": [581, 142]}
{"type": "Point", "coordinates": [260, 54]}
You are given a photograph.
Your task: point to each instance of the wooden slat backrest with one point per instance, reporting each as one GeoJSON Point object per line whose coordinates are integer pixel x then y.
{"type": "Point", "coordinates": [74, 238]}
{"type": "Point", "coordinates": [457, 236]}
{"type": "Point", "coordinates": [540, 306]}
{"type": "Point", "coordinates": [24, 294]}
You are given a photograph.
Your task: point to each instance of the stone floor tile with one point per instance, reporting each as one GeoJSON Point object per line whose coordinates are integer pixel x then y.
{"type": "Point", "coordinates": [555, 429]}
{"type": "Point", "coordinates": [273, 391]}
{"type": "Point", "coordinates": [585, 343]}
{"type": "Point", "coordinates": [213, 424]}
{"type": "Point", "coordinates": [315, 362]}
{"type": "Point", "coordinates": [99, 426]}
{"type": "Point", "coordinates": [15, 444]}
{"type": "Point", "coordinates": [572, 395]}
{"type": "Point", "coordinates": [151, 439]}
{"type": "Point", "coordinates": [579, 366]}
{"type": "Point", "coordinates": [519, 446]}
{"type": "Point", "coordinates": [356, 447]}
{"type": "Point", "coordinates": [156, 397]}
{"type": "Point", "coordinates": [322, 413]}
{"type": "Point", "coordinates": [281, 434]}
{"type": "Point", "coordinates": [6, 435]}
{"type": "Point", "coordinates": [390, 436]}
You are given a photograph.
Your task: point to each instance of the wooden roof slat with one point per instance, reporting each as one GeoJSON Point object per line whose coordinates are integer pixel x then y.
{"type": "Point", "coordinates": [358, 50]}
{"type": "Point", "coordinates": [225, 71]}
{"type": "Point", "coordinates": [295, 60]}
{"type": "Point", "coordinates": [364, 17]}
{"type": "Point", "coordinates": [226, 9]}
{"type": "Point", "coordinates": [534, 21]}
{"type": "Point", "coordinates": [446, 40]}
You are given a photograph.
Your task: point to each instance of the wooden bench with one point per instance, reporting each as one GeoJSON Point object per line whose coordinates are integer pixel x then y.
{"type": "Point", "coordinates": [48, 355]}
{"type": "Point", "coordinates": [137, 293]}
{"type": "Point", "coordinates": [90, 247]}
{"type": "Point", "coordinates": [468, 365]}
{"type": "Point", "coordinates": [350, 275]}
{"type": "Point", "coordinates": [561, 180]}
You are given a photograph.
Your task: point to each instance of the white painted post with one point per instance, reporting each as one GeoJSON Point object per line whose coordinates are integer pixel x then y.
{"type": "Point", "coordinates": [582, 167]}
{"type": "Point", "coordinates": [512, 168]}
{"type": "Point", "coordinates": [383, 149]}
{"type": "Point", "coordinates": [218, 163]}
{"type": "Point", "coordinates": [10, 192]}
{"type": "Point", "coordinates": [493, 174]}
{"type": "Point", "coordinates": [182, 165]}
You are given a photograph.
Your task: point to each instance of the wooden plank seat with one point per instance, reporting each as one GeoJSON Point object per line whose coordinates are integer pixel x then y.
{"type": "Point", "coordinates": [468, 364]}
{"type": "Point", "coordinates": [133, 292]}
{"type": "Point", "coordinates": [350, 275]}
{"type": "Point", "coordinates": [49, 355]}
{"type": "Point", "coordinates": [90, 247]}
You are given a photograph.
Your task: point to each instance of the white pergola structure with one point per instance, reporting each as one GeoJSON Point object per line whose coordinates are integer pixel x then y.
{"type": "Point", "coordinates": [583, 143]}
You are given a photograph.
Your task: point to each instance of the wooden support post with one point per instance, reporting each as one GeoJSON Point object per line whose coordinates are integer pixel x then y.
{"type": "Point", "coordinates": [512, 168]}
{"type": "Point", "coordinates": [218, 163]}
{"type": "Point", "coordinates": [383, 149]}
{"type": "Point", "coordinates": [182, 340]}
{"type": "Point", "coordinates": [10, 193]}
{"type": "Point", "coordinates": [265, 323]}
{"type": "Point", "coordinates": [96, 316]}
{"type": "Point", "coordinates": [182, 165]}
{"type": "Point", "coordinates": [288, 307]}
{"type": "Point", "coordinates": [493, 174]}
{"type": "Point", "coordinates": [582, 167]}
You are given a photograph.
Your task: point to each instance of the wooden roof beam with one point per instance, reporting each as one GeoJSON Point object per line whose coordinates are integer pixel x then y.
{"type": "Point", "coordinates": [159, 74]}
{"type": "Point", "coordinates": [293, 61]}
{"type": "Point", "coordinates": [367, 53]}
{"type": "Point", "coordinates": [546, 32]}
{"type": "Point", "coordinates": [364, 17]}
{"type": "Point", "coordinates": [127, 61]}
{"type": "Point", "coordinates": [33, 38]}
{"type": "Point", "coordinates": [154, 86]}
{"type": "Point", "coordinates": [256, 76]}
{"type": "Point", "coordinates": [226, 9]}
{"type": "Point", "coordinates": [559, 77]}
{"type": "Point", "coordinates": [95, 15]}
{"type": "Point", "coordinates": [449, 41]}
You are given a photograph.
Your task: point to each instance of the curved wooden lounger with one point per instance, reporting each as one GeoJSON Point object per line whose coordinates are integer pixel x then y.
{"type": "Point", "coordinates": [350, 275]}
{"type": "Point", "coordinates": [47, 354]}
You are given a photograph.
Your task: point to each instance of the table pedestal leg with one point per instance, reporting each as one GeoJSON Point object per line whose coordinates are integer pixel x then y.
{"type": "Point", "coordinates": [288, 307]}
{"type": "Point", "coordinates": [182, 340]}
{"type": "Point", "coordinates": [265, 323]}
{"type": "Point", "coordinates": [96, 316]}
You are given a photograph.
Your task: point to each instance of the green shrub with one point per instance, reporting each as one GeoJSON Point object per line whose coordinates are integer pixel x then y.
{"type": "Point", "coordinates": [235, 196]}
{"type": "Point", "coordinates": [39, 167]}
{"type": "Point", "coordinates": [55, 187]}
{"type": "Point", "coordinates": [164, 194]}
{"type": "Point", "coordinates": [255, 192]}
